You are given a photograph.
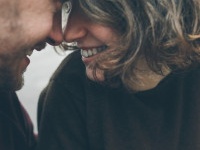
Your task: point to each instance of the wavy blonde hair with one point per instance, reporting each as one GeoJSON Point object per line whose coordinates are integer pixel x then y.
{"type": "Point", "coordinates": [164, 32]}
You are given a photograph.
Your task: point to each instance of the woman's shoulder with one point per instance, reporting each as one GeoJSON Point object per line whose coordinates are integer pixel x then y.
{"type": "Point", "coordinates": [71, 66]}
{"type": "Point", "coordinates": [186, 78]}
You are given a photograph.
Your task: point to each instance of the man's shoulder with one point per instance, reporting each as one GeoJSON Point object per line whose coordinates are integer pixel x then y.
{"type": "Point", "coordinates": [7, 99]}
{"type": "Point", "coordinates": [14, 119]}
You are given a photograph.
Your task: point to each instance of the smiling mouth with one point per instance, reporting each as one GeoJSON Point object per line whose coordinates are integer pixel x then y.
{"type": "Point", "coordinates": [92, 51]}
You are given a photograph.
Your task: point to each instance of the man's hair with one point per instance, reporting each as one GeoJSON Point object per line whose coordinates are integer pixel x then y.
{"type": "Point", "coordinates": [164, 32]}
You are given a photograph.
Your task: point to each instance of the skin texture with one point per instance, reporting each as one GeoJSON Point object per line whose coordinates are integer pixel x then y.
{"type": "Point", "coordinates": [25, 25]}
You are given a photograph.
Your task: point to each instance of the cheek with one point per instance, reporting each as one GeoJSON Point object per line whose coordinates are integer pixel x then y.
{"type": "Point", "coordinates": [107, 34]}
{"type": "Point", "coordinates": [42, 30]}
{"type": "Point", "coordinates": [13, 61]}
{"type": "Point", "coordinates": [8, 66]}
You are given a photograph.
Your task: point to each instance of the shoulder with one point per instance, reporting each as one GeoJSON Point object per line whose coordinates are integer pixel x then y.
{"type": "Point", "coordinates": [70, 73]}
{"type": "Point", "coordinates": [71, 65]}
{"type": "Point", "coordinates": [191, 74]}
{"type": "Point", "coordinates": [8, 103]}
{"type": "Point", "coordinates": [192, 77]}
{"type": "Point", "coordinates": [15, 120]}
{"type": "Point", "coordinates": [68, 77]}
{"type": "Point", "coordinates": [186, 79]}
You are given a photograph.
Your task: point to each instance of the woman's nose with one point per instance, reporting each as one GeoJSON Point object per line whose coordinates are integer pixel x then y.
{"type": "Point", "coordinates": [56, 36]}
{"type": "Point", "coordinates": [75, 29]}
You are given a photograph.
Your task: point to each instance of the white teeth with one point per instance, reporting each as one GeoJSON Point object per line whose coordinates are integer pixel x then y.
{"type": "Point", "coordinates": [92, 51]}
{"type": "Point", "coordinates": [89, 53]}
{"type": "Point", "coordinates": [84, 53]}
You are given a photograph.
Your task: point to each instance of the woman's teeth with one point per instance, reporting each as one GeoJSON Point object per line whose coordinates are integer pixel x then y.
{"type": "Point", "coordinates": [92, 51]}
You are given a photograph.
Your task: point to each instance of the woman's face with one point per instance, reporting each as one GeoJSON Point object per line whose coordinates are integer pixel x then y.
{"type": "Point", "coordinates": [93, 39]}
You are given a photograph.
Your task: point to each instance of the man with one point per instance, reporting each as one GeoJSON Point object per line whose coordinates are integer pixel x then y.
{"type": "Point", "coordinates": [25, 25]}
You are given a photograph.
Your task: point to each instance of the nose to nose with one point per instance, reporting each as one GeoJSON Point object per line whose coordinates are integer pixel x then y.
{"type": "Point", "coordinates": [56, 36]}
{"type": "Point", "coordinates": [76, 28]}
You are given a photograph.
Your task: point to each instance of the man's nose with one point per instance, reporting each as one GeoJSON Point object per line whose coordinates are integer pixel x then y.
{"type": "Point", "coordinates": [56, 36]}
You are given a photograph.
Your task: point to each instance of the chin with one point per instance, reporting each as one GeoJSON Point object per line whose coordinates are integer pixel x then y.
{"type": "Point", "coordinates": [18, 83]}
{"type": "Point", "coordinates": [18, 87]}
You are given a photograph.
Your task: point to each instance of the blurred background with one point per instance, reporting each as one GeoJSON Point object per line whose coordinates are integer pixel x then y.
{"type": "Point", "coordinates": [36, 77]}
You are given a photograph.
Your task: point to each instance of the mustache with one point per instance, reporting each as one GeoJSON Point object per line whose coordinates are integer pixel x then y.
{"type": "Point", "coordinates": [40, 46]}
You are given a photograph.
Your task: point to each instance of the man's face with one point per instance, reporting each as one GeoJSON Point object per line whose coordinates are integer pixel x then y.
{"type": "Point", "coordinates": [26, 25]}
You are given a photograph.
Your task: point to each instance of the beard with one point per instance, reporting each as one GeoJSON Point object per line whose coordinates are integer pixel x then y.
{"type": "Point", "coordinates": [10, 79]}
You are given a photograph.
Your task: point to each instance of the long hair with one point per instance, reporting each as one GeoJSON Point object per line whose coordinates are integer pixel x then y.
{"type": "Point", "coordinates": [164, 32]}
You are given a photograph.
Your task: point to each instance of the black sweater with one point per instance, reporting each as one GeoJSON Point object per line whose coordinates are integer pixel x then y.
{"type": "Point", "coordinates": [77, 114]}
{"type": "Point", "coordinates": [16, 130]}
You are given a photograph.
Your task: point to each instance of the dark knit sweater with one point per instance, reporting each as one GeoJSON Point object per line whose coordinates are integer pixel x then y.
{"type": "Point", "coordinates": [78, 114]}
{"type": "Point", "coordinates": [16, 130]}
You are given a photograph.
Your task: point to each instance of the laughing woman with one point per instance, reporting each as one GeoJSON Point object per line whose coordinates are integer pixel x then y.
{"type": "Point", "coordinates": [133, 82]}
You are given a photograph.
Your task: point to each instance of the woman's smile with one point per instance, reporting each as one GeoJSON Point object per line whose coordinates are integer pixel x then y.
{"type": "Point", "coordinates": [89, 52]}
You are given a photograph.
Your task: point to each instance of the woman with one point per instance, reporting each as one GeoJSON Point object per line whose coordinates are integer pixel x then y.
{"type": "Point", "coordinates": [134, 82]}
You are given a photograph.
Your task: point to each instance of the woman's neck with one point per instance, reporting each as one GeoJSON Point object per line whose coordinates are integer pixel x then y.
{"type": "Point", "coordinates": [147, 79]}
